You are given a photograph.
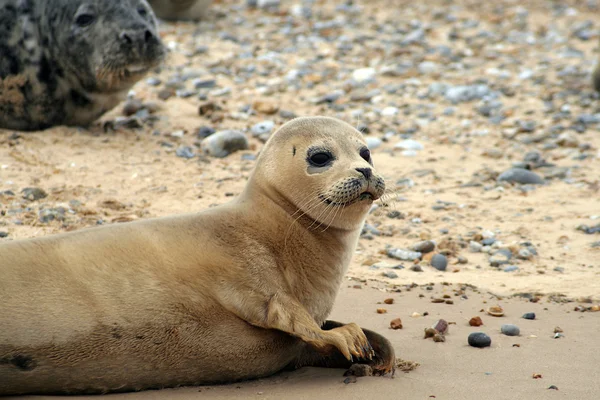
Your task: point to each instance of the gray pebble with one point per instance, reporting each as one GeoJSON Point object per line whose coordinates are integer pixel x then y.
{"type": "Point", "coordinates": [522, 176]}
{"type": "Point", "coordinates": [404, 255]}
{"type": "Point", "coordinates": [223, 143]}
{"type": "Point", "coordinates": [439, 262]}
{"type": "Point", "coordinates": [511, 268]}
{"type": "Point", "coordinates": [529, 315]}
{"type": "Point", "coordinates": [416, 268]}
{"type": "Point", "coordinates": [373, 142]}
{"type": "Point", "coordinates": [185, 152]}
{"type": "Point", "coordinates": [510, 330]}
{"type": "Point", "coordinates": [3, 234]}
{"type": "Point", "coordinates": [475, 247]}
{"type": "Point", "coordinates": [390, 274]}
{"type": "Point", "coordinates": [33, 193]}
{"type": "Point", "coordinates": [479, 339]}
{"type": "Point", "coordinates": [262, 128]}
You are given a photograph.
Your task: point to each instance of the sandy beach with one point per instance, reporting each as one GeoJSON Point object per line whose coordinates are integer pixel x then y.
{"type": "Point", "coordinates": [452, 97]}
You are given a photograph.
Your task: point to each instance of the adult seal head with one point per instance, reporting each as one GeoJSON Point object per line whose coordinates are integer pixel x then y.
{"type": "Point", "coordinates": [180, 9]}
{"type": "Point", "coordinates": [238, 291]}
{"type": "Point", "coordinates": [67, 62]}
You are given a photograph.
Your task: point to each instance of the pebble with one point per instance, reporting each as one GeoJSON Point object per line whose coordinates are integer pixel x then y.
{"type": "Point", "coordinates": [475, 247]}
{"type": "Point", "coordinates": [510, 330]}
{"type": "Point", "coordinates": [462, 94]}
{"type": "Point", "coordinates": [479, 339]}
{"type": "Point", "coordinates": [475, 321]}
{"type": "Point", "coordinates": [529, 315]}
{"type": "Point", "coordinates": [441, 326]}
{"type": "Point", "coordinates": [223, 143]}
{"type": "Point", "coordinates": [409, 144]}
{"type": "Point", "coordinates": [390, 274]}
{"type": "Point", "coordinates": [373, 142]}
{"type": "Point", "coordinates": [439, 262]}
{"type": "Point", "coordinates": [33, 193]}
{"type": "Point", "coordinates": [3, 234]}
{"type": "Point", "coordinates": [185, 152]}
{"type": "Point", "coordinates": [404, 255]}
{"type": "Point", "coordinates": [364, 75]}
{"type": "Point", "coordinates": [396, 323]}
{"type": "Point", "coordinates": [511, 268]}
{"type": "Point", "coordinates": [522, 176]}
{"type": "Point", "coordinates": [426, 246]}
{"type": "Point", "coordinates": [262, 128]}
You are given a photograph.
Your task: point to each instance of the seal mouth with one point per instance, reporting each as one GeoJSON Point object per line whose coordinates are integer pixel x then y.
{"type": "Point", "coordinates": [134, 70]}
{"type": "Point", "coordinates": [364, 196]}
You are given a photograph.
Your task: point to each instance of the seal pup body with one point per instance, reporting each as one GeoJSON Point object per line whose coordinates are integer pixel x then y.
{"type": "Point", "coordinates": [67, 62]}
{"type": "Point", "coordinates": [191, 10]}
{"type": "Point", "coordinates": [238, 291]}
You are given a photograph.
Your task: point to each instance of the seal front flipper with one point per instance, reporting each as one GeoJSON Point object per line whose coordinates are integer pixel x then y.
{"type": "Point", "coordinates": [383, 361]}
{"type": "Point", "coordinates": [283, 312]}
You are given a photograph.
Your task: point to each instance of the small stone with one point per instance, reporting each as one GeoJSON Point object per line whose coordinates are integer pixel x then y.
{"type": "Point", "coordinates": [390, 274]}
{"type": "Point", "coordinates": [475, 247]}
{"type": "Point", "coordinates": [529, 315]}
{"type": "Point", "coordinates": [510, 330]}
{"type": "Point", "coordinates": [223, 143]}
{"type": "Point", "coordinates": [404, 255]}
{"type": "Point", "coordinates": [439, 262]}
{"type": "Point", "coordinates": [350, 379]}
{"type": "Point", "coordinates": [185, 152]}
{"type": "Point", "coordinates": [552, 387]}
{"type": "Point", "coordinates": [426, 246]}
{"type": "Point", "coordinates": [415, 315]}
{"type": "Point", "coordinates": [479, 339]}
{"type": "Point", "coordinates": [416, 268]}
{"type": "Point", "coordinates": [439, 338]}
{"type": "Point", "coordinates": [536, 376]}
{"type": "Point", "coordinates": [441, 326]}
{"type": "Point", "coordinates": [381, 311]}
{"type": "Point", "coordinates": [204, 132]}
{"type": "Point", "coordinates": [409, 144]}
{"type": "Point", "coordinates": [495, 311]}
{"type": "Point", "coordinates": [33, 193]}
{"type": "Point", "coordinates": [558, 329]}
{"type": "Point", "coordinates": [429, 332]}
{"type": "Point", "coordinates": [396, 323]}
{"type": "Point", "coordinates": [262, 128]}
{"type": "Point", "coordinates": [265, 107]}
{"type": "Point", "coordinates": [475, 321]}
{"type": "Point", "coordinates": [389, 301]}
{"type": "Point", "coordinates": [364, 75]}
{"type": "Point", "coordinates": [558, 335]}
{"type": "Point", "coordinates": [131, 107]}
{"type": "Point", "coordinates": [522, 176]}
{"type": "Point", "coordinates": [511, 268]}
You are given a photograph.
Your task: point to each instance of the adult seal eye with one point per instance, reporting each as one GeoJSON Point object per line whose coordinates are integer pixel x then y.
{"type": "Point", "coordinates": [366, 154]}
{"type": "Point", "coordinates": [84, 20]}
{"type": "Point", "coordinates": [320, 159]}
{"type": "Point", "coordinates": [142, 11]}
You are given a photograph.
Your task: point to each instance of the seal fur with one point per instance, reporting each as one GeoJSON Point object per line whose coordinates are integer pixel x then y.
{"type": "Point", "coordinates": [237, 291]}
{"type": "Point", "coordinates": [67, 62]}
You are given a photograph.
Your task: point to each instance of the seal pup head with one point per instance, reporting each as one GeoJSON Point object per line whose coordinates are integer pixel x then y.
{"type": "Point", "coordinates": [108, 44]}
{"type": "Point", "coordinates": [321, 168]}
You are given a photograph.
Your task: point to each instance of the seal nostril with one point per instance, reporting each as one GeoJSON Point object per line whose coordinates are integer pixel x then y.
{"type": "Point", "coordinates": [366, 172]}
{"type": "Point", "coordinates": [126, 38]}
{"type": "Point", "coordinates": [148, 36]}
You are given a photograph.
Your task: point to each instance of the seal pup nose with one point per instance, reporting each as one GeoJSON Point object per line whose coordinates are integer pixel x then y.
{"type": "Point", "coordinates": [367, 172]}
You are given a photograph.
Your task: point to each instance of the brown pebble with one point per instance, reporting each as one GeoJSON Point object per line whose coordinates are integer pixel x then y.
{"type": "Point", "coordinates": [446, 296]}
{"type": "Point", "coordinates": [516, 345]}
{"type": "Point", "coordinates": [437, 300]}
{"type": "Point", "coordinates": [357, 287]}
{"type": "Point", "coordinates": [537, 376]}
{"type": "Point", "coordinates": [441, 326]}
{"type": "Point", "coordinates": [389, 301]}
{"type": "Point", "coordinates": [595, 307]}
{"type": "Point", "coordinates": [438, 338]}
{"type": "Point", "coordinates": [558, 330]}
{"type": "Point", "coordinates": [430, 332]}
{"type": "Point", "coordinates": [381, 311]}
{"type": "Point", "coordinates": [265, 107]}
{"type": "Point", "coordinates": [449, 302]}
{"type": "Point", "coordinates": [495, 311]}
{"type": "Point", "coordinates": [475, 321]}
{"type": "Point", "coordinates": [396, 323]}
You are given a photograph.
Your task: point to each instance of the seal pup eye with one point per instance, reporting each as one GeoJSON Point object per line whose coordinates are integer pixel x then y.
{"type": "Point", "coordinates": [142, 11]}
{"type": "Point", "coordinates": [84, 20]}
{"type": "Point", "coordinates": [365, 154]}
{"type": "Point", "coordinates": [320, 159]}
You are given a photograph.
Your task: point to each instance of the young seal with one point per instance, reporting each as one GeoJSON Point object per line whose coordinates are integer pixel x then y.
{"type": "Point", "coordinates": [191, 10]}
{"type": "Point", "coordinates": [238, 291]}
{"type": "Point", "coordinates": [67, 62]}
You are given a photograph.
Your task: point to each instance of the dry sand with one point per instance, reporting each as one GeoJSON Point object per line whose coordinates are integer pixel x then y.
{"type": "Point", "coordinates": [127, 174]}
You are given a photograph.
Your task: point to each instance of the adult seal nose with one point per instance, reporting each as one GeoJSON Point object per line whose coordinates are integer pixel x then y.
{"type": "Point", "coordinates": [142, 36]}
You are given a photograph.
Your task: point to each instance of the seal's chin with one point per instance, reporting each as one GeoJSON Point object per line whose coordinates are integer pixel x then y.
{"type": "Point", "coordinates": [133, 71]}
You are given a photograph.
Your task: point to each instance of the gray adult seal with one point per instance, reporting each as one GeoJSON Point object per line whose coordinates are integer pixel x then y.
{"type": "Point", "coordinates": [180, 9]}
{"type": "Point", "coordinates": [67, 62]}
{"type": "Point", "coordinates": [235, 292]}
